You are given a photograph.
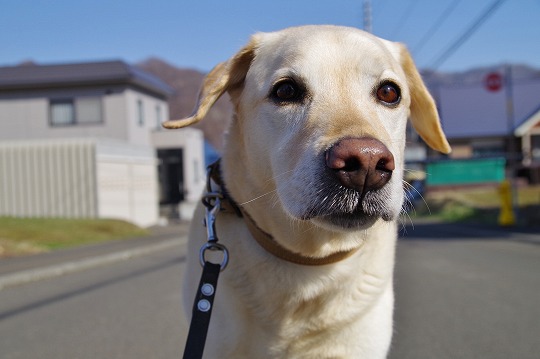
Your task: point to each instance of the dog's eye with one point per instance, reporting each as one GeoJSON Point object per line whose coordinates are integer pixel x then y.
{"type": "Point", "coordinates": [286, 91]}
{"type": "Point", "coordinates": [389, 93]}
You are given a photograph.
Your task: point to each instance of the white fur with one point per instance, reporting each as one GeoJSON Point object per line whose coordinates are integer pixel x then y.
{"type": "Point", "coordinates": [269, 308]}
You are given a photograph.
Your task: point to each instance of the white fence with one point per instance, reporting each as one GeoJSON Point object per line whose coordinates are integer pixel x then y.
{"type": "Point", "coordinates": [78, 179]}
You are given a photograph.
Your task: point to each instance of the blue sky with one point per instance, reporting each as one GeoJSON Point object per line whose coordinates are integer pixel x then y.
{"type": "Point", "coordinates": [199, 34]}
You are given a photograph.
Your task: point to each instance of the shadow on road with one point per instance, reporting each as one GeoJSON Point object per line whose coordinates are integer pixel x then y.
{"type": "Point", "coordinates": [460, 231]}
{"type": "Point", "coordinates": [85, 290]}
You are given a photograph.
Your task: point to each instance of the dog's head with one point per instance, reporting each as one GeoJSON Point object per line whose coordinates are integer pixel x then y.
{"type": "Point", "coordinates": [320, 116]}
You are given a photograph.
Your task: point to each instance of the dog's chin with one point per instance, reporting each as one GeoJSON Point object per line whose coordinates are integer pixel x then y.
{"type": "Point", "coordinates": [345, 221]}
{"type": "Point", "coordinates": [351, 213]}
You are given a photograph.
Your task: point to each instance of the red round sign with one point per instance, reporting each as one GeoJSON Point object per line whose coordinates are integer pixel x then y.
{"type": "Point", "coordinates": [493, 81]}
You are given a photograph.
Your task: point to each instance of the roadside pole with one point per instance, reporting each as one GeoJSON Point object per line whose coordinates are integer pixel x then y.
{"type": "Point", "coordinates": [512, 160]}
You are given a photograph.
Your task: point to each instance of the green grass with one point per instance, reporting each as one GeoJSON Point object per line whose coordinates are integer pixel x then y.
{"type": "Point", "coordinates": [19, 236]}
{"type": "Point", "coordinates": [480, 205]}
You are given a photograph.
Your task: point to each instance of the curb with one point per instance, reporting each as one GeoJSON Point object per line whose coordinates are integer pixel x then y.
{"type": "Point", "coordinates": [32, 275]}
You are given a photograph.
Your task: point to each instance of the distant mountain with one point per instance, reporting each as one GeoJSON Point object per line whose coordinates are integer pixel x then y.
{"type": "Point", "coordinates": [186, 83]}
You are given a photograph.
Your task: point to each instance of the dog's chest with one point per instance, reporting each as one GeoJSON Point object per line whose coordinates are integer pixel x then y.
{"type": "Point", "coordinates": [297, 312]}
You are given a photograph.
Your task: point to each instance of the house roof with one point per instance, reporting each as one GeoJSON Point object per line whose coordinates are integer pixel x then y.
{"type": "Point", "coordinates": [531, 122]}
{"type": "Point", "coordinates": [471, 110]}
{"type": "Point", "coordinates": [80, 74]}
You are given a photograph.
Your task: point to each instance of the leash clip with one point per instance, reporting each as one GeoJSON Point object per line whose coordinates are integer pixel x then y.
{"type": "Point", "coordinates": [212, 202]}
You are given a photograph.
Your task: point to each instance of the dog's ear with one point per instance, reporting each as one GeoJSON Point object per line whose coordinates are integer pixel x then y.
{"type": "Point", "coordinates": [223, 77]}
{"type": "Point", "coordinates": [424, 115]}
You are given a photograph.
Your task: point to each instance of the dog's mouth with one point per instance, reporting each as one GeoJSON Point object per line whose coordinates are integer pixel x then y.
{"type": "Point", "coordinates": [348, 209]}
{"type": "Point", "coordinates": [354, 220]}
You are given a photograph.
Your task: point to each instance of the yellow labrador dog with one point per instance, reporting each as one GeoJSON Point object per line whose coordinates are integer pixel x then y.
{"type": "Point", "coordinates": [314, 160]}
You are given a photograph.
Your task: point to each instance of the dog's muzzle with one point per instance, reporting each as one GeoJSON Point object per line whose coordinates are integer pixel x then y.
{"type": "Point", "coordinates": [352, 191]}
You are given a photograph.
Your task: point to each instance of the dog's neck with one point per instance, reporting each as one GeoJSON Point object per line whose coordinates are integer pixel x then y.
{"type": "Point", "coordinates": [265, 239]}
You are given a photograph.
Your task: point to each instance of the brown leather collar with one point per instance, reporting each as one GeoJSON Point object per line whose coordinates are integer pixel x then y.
{"type": "Point", "coordinates": [263, 238]}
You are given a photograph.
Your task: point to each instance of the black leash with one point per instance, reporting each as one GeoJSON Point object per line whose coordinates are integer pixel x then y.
{"type": "Point", "coordinates": [202, 310]}
{"type": "Point", "coordinates": [204, 299]}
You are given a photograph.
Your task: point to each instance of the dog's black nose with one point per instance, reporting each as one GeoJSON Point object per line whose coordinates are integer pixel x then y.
{"type": "Point", "coordinates": [362, 164]}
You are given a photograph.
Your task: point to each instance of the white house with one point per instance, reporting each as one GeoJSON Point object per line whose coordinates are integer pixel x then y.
{"type": "Point", "coordinates": [85, 140]}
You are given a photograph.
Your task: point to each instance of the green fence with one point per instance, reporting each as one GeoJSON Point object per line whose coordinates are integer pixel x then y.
{"type": "Point", "coordinates": [456, 172]}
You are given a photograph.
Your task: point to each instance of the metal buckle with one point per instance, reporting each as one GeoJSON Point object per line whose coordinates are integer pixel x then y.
{"type": "Point", "coordinates": [212, 202]}
{"type": "Point", "coordinates": [212, 246]}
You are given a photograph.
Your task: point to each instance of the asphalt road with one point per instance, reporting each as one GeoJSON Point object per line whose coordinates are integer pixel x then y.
{"type": "Point", "coordinates": [129, 309]}
{"type": "Point", "coordinates": [460, 293]}
{"type": "Point", "coordinates": [465, 292]}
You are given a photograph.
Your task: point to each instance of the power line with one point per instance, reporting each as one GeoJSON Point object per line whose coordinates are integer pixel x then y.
{"type": "Point", "coordinates": [381, 9]}
{"type": "Point", "coordinates": [436, 25]}
{"type": "Point", "coordinates": [468, 32]}
{"type": "Point", "coordinates": [403, 19]}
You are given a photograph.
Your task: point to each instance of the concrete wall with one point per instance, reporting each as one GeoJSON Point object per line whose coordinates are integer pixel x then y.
{"type": "Point", "coordinates": [127, 183]}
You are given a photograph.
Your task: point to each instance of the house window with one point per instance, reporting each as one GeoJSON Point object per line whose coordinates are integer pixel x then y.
{"type": "Point", "coordinates": [62, 112]}
{"type": "Point", "coordinates": [84, 110]}
{"type": "Point", "coordinates": [140, 113]}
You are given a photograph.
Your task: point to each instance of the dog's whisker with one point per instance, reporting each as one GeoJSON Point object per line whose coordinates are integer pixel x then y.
{"type": "Point", "coordinates": [413, 171]}
{"type": "Point", "coordinates": [407, 205]}
{"type": "Point", "coordinates": [308, 228]}
{"type": "Point", "coordinates": [269, 192]}
{"type": "Point", "coordinates": [406, 214]}
{"type": "Point", "coordinates": [407, 198]}
{"type": "Point", "coordinates": [410, 186]}
{"type": "Point", "coordinates": [403, 224]}
{"type": "Point", "coordinates": [257, 198]}
{"type": "Point", "coordinates": [274, 178]}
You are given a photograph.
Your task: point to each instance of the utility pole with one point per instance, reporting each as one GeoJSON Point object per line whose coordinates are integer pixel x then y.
{"type": "Point", "coordinates": [367, 16]}
{"type": "Point", "coordinates": [512, 155]}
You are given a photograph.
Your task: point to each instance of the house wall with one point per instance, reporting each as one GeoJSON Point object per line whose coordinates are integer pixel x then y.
{"type": "Point", "coordinates": [26, 116]}
{"type": "Point", "coordinates": [139, 132]}
{"type": "Point", "coordinates": [46, 176]}
{"type": "Point", "coordinates": [23, 118]}
{"type": "Point", "coordinates": [534, 137]}
{"type": "Point", "coordinates": [461, 151]}
{"type": "Point", "coordinates": [478, 147]}
{"type": "Point", "coordinates": [469, 110]}
{"type": "Point", "coordinates": [530, 146]}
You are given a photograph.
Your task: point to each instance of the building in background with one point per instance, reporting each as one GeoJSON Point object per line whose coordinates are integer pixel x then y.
{"type": "Point", "coordinates": [85, 140]}
{"type": "Point", "coordinates": [488, 114]}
